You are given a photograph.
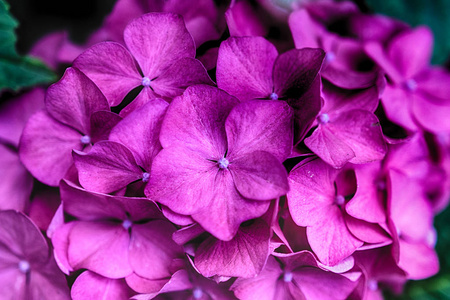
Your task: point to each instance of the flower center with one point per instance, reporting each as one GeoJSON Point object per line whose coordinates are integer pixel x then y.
{"type": "Point", "coordinates": [85, 139]}
{"type": "Point", "coordinates": [287, 276]}
{"type": "Point", "coordinates": [197, 293]}
{"type": "Point", "coordinates": [411, 85]}
{"type": "Point", "coordinates": [146, 81]}
{"type": "Point", "coordinates": [145, 177]}
{"type": "Point", "coordinates": [127, 224]}
{"type": "Point", "coordinates": [372, 284]}
{"type": "Point", "coordinates": [223, 163]}
{"type": "Point", "coordinates": [329, 57]}
{"type": "Point", "coordinates": [24, 266]}
{"type": "Point", "coordinates": [273, 96]}
{"type": "Point", "coordinates": [323, 118]}
{"type": "Point", "coordinates": [339, 200]}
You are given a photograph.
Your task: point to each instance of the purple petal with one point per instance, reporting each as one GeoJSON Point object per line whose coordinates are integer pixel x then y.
{"type": "Point", "coordinates": [44, 204]}
{"type": "Point", "coordinates": [260, 125]}
{"type": "Point", "coordinates": [196, 120]}
{"type": "Point", "coordinates": [367, 232]}
{"type": "Point", "coordinates": [101, 247]}
{"type": "Point", "coordinates": [91, 286]}
{"type": "Point", "coordinates": [46, 146]}
{"type": "Point", "coordinates": [418, 260]}
{"type": "Point", "coordinates": [244, 67]}
{"type": "Point", "coordinates": [304, 29]}
{"type": "Point", "coordinates": [162, 39]}
{"type": "Point", "coordinates": [227, 209]}
{"type": "Point", "coordinates": [180, 75]}
{"type": "Point", "coordinates": [259, 176]}
{"type": "Point", "coordinates": [410, 51]}
{"type": "Point", "coordinates": [242, 20]}
{"type": "Point", "coordinates": [397, 106]}
{"type": "Point", "coordinates": [112, 68]}
{"type": "Point", "coordinates": [15, 188]}
{"type": "Point", "coordinates": [144, 96]}
{"type": "Point", "coordinates": [73, 99]}
{"type": "Point", "coordinates": [15, 113]}
{"type": "Point", "coordinates": [244, 256]}
{"type": "Point", "coordinates": [60, 242]}
{"type": "Point", "coordinates": [108, 167]}
{"type": "Point", "coordinates": [295, 70]}
{"type": "Point", "coordinates": [139, 131]}
{"type": "Point", "coordinates": [151, 288]}
{"type": "Point", "coordinates": [431, 116]}
{"type": "Point", "coordinates": [101, 124]}
{"type": "Point", "coordinates": [152, 249]}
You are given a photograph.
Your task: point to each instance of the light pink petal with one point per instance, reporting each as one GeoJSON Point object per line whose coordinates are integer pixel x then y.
{"type": "Point", "coordinates": [46, 148]}
{"type": "Point", "coordinates": [311, 192]}
{"type": "Point", "coordinates": [259, 175]}
{"type": "Point", "coordinates": [411, 51]}
{"type": "Point", "coordinates": [139, 132]}
{"type": "Point", "coordinates": [157, 40]}
{"type": "Point", "coordinates": [178, 76]}
{"type": "Point", "coordinates": [151, 288]}
{"type": "Point", "coordinates": [196, 120]}
{"type": "Point", "coordinates": [244, 67]}
{"type": "Point", "coordinates": [16, 186]}
{"type": "Point", "coordinates": [60, 241]}
{"type": "Point", "coordinates": [260, 125]}
{"type": "Point", "coordinates": [91, 286]}
{"type": "Point", "coordinates": [112, 68]}
{"type": "Point", "coordinates": [429, 84]}
{"type": "Point", "coordinates": [182, 180]}
{"type": "Point", "coordinates": [418, 260]}
{"type": "Point", "coordinates": [101, 247]}
{"type": "Point", "coordinates": [152, 249]}
{"type": "Point", "coordinates": [261, 287]}
{"type": "Point", "coordinates": [368, 232]}
{"type": "Point", "coordinates": [330, 238]}
{"type": "Point", "coordinates": [108, 167]}
{"type": "Point", "coordinates": [15, 113]}
{"type": "Point", "coordinates": [228, 209]}
{"type": "Point", "coordinates": [244, 256]}
{"type": "Point", "coordinates": [101, 124]}
{"type": "Point", "coordinates": [353, 136]}
{"type": "Point", "coordinates": [73, 99]}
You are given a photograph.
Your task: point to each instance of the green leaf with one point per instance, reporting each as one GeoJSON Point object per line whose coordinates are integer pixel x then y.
{"type": "Point", "coordinates": [17, 71]}
{"type": "Point", "coordinates": [434, 13]}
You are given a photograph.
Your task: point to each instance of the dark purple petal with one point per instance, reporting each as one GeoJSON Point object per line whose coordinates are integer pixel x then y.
{"type": "Point", "coordinates": [108, 167]}
{"type": "Point", "coordinates": [46, 148]}
{"type": "Point", "coordinates": [157, 40]}
{"type": "Point", "coordinates": [244, 67]}
{"type": "Point", "coordinates": [260, 125]}
{"type": "Point", "coordinates": [101, 124]}
{"type": "Point", "coordinates": [112, 68]}
{"type": "Point", "coordinates": [244, 256]}
{"type": "Point", "coordinates": [73, 99]}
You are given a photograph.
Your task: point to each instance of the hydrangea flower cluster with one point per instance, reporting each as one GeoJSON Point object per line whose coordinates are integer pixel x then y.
{"type": "Point", "coordinates": [190, 153]}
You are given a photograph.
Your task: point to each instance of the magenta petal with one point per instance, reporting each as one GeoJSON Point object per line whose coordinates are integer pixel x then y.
{"type": "Point", "coordinates": [139, 131]}
{"type": "Point", "coordinates": [101, 247]}
{"type": "Point", "coordinates": [101, 124]}
{"type": "Point", "coordinates": [15, 113]}
{"type": "Point", "coordinates": [144, 96]}
{"type": "Point", "coordinates": [91, 286]}
{"type": "Point", "coordinates": [244, 256]}
{"type": "Point", "coordinates": [367, 232]}
{"type": "Point", "coordinates": [46, 146]}
{"type": "Point", "coordinates": [294, 71]}
{"type": "Point", "coordinates": [152, 249]}
{"type": "Point", "coordinates": [108, 167]}
{"type": "Point", "coordinates": [180, 75]}
{"type": "Point", "coordinates": [431, 116]}
{"type": "Point", "coordinates": [260, 125]}
{"type": "Point", "coordinates": [175, 171]}
{"type": "Point", "coordinates": [15, 188]}
{"type": "Point", "coordinates": [151, 288]}
{"type": "Point", "coordinates": [112, 68]}
{"type": "Point", "coordinates": [60, 241]}
{"type": "Point", "coordinates": [396, 103]}
{"type": "Point", "coordinates": [411, 51]}
{"type": "Point", "coordinates": [259, 176]}
{"type": "Point", "coordinates": [242, 20]}
{"type": "Point", "coordinates": [418, 260]}
{"type": "Point", "coordinates": [339, 100]}
{"type": "Point", "coordinates": [73, 99]}
{"type": "Point", "coordinates": [196, 120]}
{"type": "Point", "coordinates": [330, 238]}
{"type": "Point", "coordinates": [244, 67]}
{"type": "Point", "coordinates": [156, 40]}
{"type": "Point", "coordinates": [227, 209]}
{"type": "Point", "coordinates": [353, 136]}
